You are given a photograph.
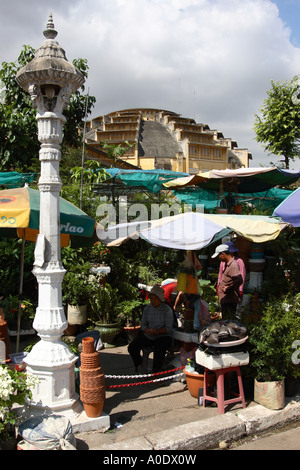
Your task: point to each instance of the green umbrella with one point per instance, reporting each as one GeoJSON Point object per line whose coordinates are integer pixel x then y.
{"type": "Point", "coordinates": [20, 216]}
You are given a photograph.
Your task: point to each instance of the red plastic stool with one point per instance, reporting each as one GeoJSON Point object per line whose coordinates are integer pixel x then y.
{"type": "Point", "coordinates": [220, 399]}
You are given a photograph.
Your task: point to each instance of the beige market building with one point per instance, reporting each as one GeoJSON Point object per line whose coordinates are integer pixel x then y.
{"type": "Point", "coordinates": [161, 139]}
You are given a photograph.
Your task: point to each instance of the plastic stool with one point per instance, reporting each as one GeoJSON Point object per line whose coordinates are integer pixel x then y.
{"type": "Point", "coordinates": [150, 349]}
{"type": "Point", "coordinates": [146, 353]}
{"type": "Point", "coordinates": [220, 399]}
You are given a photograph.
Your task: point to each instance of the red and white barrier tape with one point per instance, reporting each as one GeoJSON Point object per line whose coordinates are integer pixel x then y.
{"type": "Point", "coordinates": [140, 376]}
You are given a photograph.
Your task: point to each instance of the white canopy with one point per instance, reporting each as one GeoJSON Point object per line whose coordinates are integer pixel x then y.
{"type": "Point", "coordinates": [193, 230]}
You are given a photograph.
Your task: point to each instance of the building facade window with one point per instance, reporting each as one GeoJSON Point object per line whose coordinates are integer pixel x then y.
{"type": "Point", "coordinates": [217, 153]}
{"type": "Point", "coordinates": [205, 151]}
{"type": "Point", "coordinates": [193, 149]}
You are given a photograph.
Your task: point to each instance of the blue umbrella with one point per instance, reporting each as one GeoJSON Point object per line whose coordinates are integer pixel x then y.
{"type": "Point", "coordinates": [289, 209]}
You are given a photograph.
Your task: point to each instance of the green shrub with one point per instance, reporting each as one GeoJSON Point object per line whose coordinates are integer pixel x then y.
{"type": "Point", "coordinates": [271, 339]}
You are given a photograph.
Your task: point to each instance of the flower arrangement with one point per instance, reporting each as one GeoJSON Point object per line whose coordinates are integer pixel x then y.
{"type": "Point", "coordinates": [15, 387]}
{"type": "Point", "coordinates": [98, 253]}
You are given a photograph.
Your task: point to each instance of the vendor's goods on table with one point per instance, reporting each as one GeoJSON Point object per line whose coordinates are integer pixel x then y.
{"type": "Point", "coordinates": [224, 331]}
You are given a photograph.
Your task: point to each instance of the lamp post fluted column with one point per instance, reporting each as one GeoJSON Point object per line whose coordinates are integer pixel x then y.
{"type": "Point", "coordinates": [50, 80]}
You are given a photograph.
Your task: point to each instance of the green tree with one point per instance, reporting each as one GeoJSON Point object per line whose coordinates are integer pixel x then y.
{"type": "Point", "coordinates": [18, 126]}
{"type": "Point", "coordinates": [79, 183]}
{"type": "Point", "coordinates": [19, 145]}
{"type": "Point", "coordinates": [278, 128]}
{"type": "Point", "coordinates": [116, 151]}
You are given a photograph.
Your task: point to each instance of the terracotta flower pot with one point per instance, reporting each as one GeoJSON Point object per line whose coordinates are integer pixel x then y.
{"type": "Point", "coordinates": [238, 209]}
{"type": "Point", "coordinates": [196, 381]}
{"type": "Point", "coordinates": [92, 384]}
{"type": "Point", "coordinates": [93, 410]}
{"type": "Point", "coordinates": [131, 332]}
{"type": "Point", "coordinates": [71, 330]}
{"type": "Point", "coordinates": [5, 338]}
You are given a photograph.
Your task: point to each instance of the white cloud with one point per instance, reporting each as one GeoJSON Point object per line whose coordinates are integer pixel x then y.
{"type": "Point", "coordinates": [212, 60]}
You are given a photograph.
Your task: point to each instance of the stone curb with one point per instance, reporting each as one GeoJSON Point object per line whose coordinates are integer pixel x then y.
{"type": "Point", "coordinates": [199, 434]}
{"type": "Point", "coordinates": [207, 434]}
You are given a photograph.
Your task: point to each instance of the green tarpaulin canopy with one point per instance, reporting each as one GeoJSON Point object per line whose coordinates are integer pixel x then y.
{"type": "Point", "coordinates": [210, 199]}
{"type": "Point", "coordinates": [241, 180]}
{"type": "Point", "coordinates": [152, 180]}
{"type": "Point", "coordinates": [205, 188]}
{"type": "Point", "coordinates": [12, 179]}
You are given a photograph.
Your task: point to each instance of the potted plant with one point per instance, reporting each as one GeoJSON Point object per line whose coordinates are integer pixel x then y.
{"type": "Point", "coordinates": [271, 351]}
{"type": "Point", "coordinates": [104, 309]}
{"type": "Point", "coordinates": [130, 317]}
{"type": "Point", "coordinates": [27, 314]}
{"type": "Point", "coordinates": [76, 288]}
{"type": "Point", "coordinates": [15, 388]}
{"type": "Point", "coordinates": [10, 305]}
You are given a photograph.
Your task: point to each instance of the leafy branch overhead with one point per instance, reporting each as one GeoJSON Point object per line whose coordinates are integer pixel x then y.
{"type": "Point", "coordinates": [116, 151]}
{"type": "Point", "coordinates": [19, 146]}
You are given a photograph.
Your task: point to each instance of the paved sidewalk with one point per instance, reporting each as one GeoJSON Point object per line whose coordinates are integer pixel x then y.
{"type": "Point", "coordinates": [164, 416]}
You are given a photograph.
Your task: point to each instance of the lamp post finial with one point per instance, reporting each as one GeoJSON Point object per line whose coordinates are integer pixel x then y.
{"type": "Point", "coordinates": [50, 32]}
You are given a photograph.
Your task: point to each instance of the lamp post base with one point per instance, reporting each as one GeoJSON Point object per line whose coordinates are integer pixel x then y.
{"type": "Point", "coordinates": [55, 391]}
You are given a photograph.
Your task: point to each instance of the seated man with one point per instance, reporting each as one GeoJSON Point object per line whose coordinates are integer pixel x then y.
{"type": "Point", "coordinates": [156, 326]}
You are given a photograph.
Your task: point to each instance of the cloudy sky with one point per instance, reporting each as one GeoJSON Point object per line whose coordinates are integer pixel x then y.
{"type": "Point", "coordinates": [211, 60]}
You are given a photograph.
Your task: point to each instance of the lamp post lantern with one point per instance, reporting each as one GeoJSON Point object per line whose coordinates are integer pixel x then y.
{"type": "Point", "coordinates": [50, 80]}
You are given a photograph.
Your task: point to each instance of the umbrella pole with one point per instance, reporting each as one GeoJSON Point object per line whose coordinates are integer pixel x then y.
{"type": "Point", "coordinates": [83, 145]}
{"type": "Point", "coordinates": [20, 293]}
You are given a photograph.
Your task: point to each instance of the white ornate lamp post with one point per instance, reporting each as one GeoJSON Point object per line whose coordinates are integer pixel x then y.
{"type": "Point", "coordinates": [50, 79]}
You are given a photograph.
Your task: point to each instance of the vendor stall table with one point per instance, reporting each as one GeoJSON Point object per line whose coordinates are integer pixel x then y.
{"type": "Point", "coordinates": [220, 398]}
{"type": "Point", "coordinates": [222, 364]}
{"type": "Point", "coordinates": [185, 337]}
